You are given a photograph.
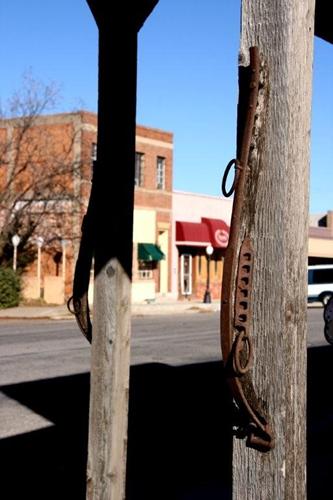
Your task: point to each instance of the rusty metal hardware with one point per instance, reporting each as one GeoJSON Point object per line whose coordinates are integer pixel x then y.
{"type": "Point", "coordinates": [236, 308]}
{"type": "Point", "coordinates": [225, 192]}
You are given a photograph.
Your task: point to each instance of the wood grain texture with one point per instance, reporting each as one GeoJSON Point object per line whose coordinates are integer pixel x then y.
{"type": "Point", "coordinates": [275, 216]}
{"type": "Point", "coordinates": [112, 215]}
{"type": "Point", "coordinates": [109, 384]}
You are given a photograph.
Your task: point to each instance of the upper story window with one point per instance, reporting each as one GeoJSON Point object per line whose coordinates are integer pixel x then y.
{"type": "Point", "coordinates": [160, 173]}
{"type": "Point", "coordinates": [93, 154]}
{"type": "Point", "coordinates": [139, 167]}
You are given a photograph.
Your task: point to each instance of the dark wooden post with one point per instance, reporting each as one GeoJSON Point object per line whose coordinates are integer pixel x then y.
{"type": "Point", "coordinates": [275, 215]}
{"type": "Point", "coordinates": [113, 187]}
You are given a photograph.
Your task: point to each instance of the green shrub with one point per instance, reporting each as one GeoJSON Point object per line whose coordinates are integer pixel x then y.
{"type": "Point", "coordinates": [9, 288]}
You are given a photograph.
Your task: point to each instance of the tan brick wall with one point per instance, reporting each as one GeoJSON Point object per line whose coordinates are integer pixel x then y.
{"type": "Point", "coordinates": [155, 143]}
{"type": "Point", "coordinates": [53, 290]}
{"type": "Point", "coordinates": [30, 289]}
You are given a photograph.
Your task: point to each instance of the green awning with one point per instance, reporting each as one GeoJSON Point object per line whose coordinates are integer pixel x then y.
{"type": "Point", "coordinates": [149, 251]}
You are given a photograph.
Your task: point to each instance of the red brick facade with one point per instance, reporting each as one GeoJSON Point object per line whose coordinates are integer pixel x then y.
{"type": "Point", "coordinates": [72, 135]}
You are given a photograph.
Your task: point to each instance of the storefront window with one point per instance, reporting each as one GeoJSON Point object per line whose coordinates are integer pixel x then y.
{"type": "Point", "coordinates": [145, 271]}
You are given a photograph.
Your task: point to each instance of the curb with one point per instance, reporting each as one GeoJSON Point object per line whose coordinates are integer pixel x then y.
{"type": "Point", "coordinates": [138, 310]}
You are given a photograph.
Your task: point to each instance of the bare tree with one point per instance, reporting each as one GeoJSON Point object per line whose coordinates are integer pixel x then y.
{"type": "Point", "coordinates": [38, 169]}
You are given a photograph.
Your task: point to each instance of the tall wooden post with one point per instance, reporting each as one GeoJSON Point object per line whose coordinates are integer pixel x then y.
{"type": "Point", "coordinates": [275, 215]}
{"type": "Point", "coordinates": [112, 193]}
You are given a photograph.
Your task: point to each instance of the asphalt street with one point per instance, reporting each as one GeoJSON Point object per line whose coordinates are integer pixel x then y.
{"type": "Point", "coordinates": [34, 350]}
{"type": "Point", "coordinates": [39, 350]}
{"type": "Point", "coordinates": [44, 399]}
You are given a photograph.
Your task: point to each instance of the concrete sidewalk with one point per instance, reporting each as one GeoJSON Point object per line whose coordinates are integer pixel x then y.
{"type": "Point", "coordinates": [155, 308]}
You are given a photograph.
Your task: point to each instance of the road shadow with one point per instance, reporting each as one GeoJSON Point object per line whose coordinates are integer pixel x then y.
{"type": "Point", "coordinates": [48, 463]}
{"type": "Point", "coordinates": [179, 441]}
{"type": "Point", "coordinates": [320, 423]}
{"type": "Point", "coordinates": [179, 433]}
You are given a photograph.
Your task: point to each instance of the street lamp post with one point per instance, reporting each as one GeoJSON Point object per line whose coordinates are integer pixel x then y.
{"type": "Point", "coordinates": [207, 297]}
{"type": "Point", "coordinates": [64, 244]}
{"type": "Point", "coordinates": [39, 242]}
{"type": "Point", "coordinates": [16, 241]}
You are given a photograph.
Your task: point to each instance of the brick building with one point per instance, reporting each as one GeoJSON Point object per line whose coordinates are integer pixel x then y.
{"type": "Point", "coordinates": [152, 214]}
{"type": "Point", "coordinates": [199, 221]}
{"type": "Point", "coordinates": [70, 139]}
{"type": "Point", "coordinates": [171, 229]}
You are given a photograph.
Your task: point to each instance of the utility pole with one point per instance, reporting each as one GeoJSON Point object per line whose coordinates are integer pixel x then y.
{"type": "Point", "coordinates": [113, 193]}
{"type": "Point", "coordinates": [275, 216]}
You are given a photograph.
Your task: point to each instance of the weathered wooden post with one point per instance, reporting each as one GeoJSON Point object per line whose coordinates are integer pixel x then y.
{"type": "Point", "coordinates": [112, 232]}
{"type": "Point", "coordinates": [274, 217]}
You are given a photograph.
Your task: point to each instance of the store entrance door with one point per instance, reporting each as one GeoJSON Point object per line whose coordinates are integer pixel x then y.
{"type": "Point", "coordinates": [186, 274]}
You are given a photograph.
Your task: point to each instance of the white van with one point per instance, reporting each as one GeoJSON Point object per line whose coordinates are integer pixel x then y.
{"type": "Point", "coordinates": [320, 283]}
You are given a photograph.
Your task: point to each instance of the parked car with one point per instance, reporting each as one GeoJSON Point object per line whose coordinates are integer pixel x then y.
{"type": "Point", "coordinates": [328, 318]}
{"type": "Point", "coordinates": [320, 283]}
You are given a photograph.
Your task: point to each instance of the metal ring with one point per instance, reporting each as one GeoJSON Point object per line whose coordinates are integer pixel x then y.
{"type": "Point", "coordinates": [240, 339]}
{"type": "Point", "coordinates": [71, 305]}
{"type": "Point", "coordinates": [225, 178]}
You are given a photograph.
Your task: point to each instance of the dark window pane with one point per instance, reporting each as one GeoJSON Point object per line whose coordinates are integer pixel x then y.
{"type": "Point", "coordinates": [160, 172]}
{"type": "Point", "coordinates": [321, 276]}
{"type": "Point", "coordinates": [139, 167]}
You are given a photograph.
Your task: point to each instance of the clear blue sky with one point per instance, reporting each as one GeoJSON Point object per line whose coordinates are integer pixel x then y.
{"type": "Point", "coordinates": [187, 79]}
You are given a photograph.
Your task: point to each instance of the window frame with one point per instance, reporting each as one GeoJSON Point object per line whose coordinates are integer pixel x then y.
{"type": "Point", "coordinates": [160, 172]}
{"type": "Point", "coordinates": [139, 169]}
{"type": "Point", "coordinates": [93, 153]}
